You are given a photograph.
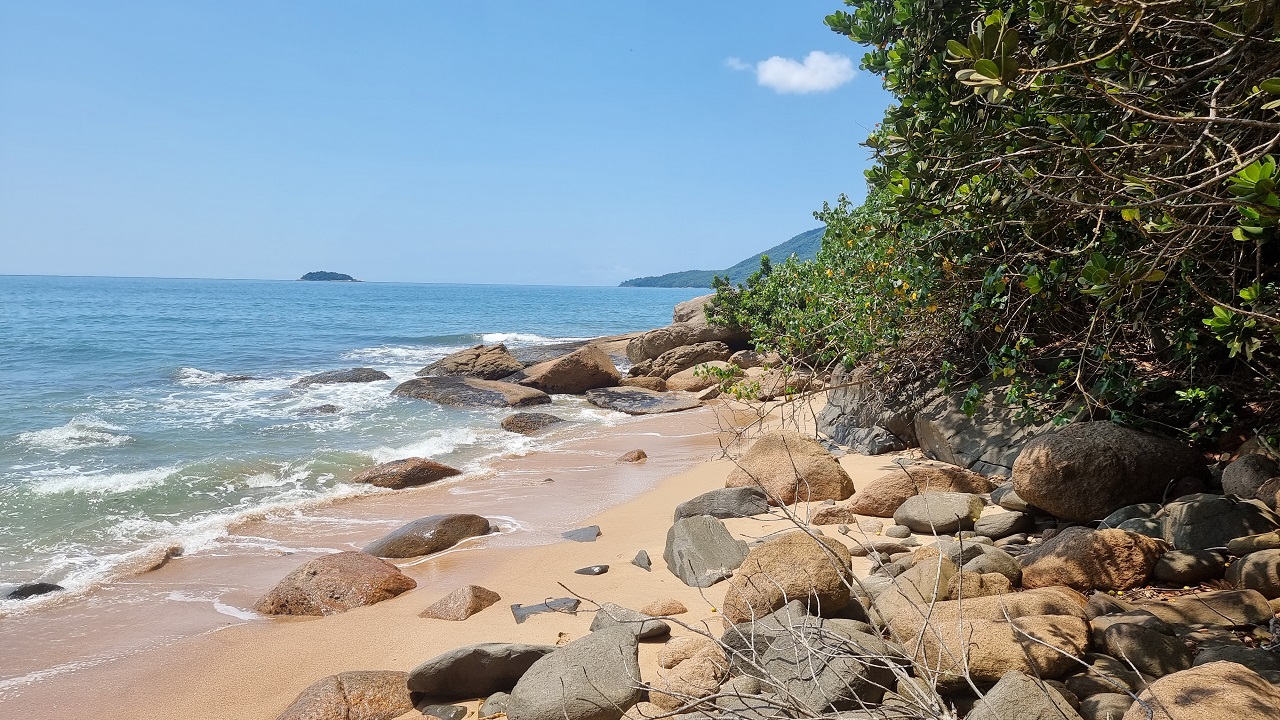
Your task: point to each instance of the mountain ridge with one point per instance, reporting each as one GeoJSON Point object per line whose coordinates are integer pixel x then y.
{"type": "Point", "coordinates": [805, 246]}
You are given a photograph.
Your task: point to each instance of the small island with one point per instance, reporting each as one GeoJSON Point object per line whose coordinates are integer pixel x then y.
{"type": "Point", "coordinates": [328, 276]}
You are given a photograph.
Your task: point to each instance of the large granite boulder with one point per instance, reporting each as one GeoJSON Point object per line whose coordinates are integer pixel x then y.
{"type": "Point", "coordinates": [882, 496]}
{"type": "Point", "coordinates": [1045, 646]}
{"type": "Point", "coordinates": [334, 583]}
{"type": "Point", "coordinates": [725, 503]}
{"type": "Point", "coordinates": [486, 362]}
{"type": "Point", "coordinates": [638, 401]}
{"type": "Point", "coordinates": [822, 664]}
{"type": "Point", "coordinates": [986, 440]}
{"type": "Point", "coordinates": [791, 468]}
{"type": "Point", "coordinates": [470, 392]}
{"type": "Point", "coordinates": [938, 513]}
{"type": "Point", "coordinates": [701, 552]}
{"type": "Point", "coordinates": [857, 405]}
{"type": "Point", "coordinates": [1202, 521]}
{"type": "Point", "coordinates": [1090, 560]}
{"type": "Point", "coordinates": [693, 679]}
{"type": "Point", "coordinates": [1222, 608]}
{"type": "Point", "coordinates": [1248, 474]}
{"type": "Point", "coordinates": [698, 377]}
{"type": "Point", "coordinates": [652, 344]}
{"type": "Point", "coordinates": [1214, 691]}
{"type": "Point", "coordinates": [1257, 571]}
{"type": "Point", "coordinates": [685, 357]}
{"type": "Point", "coordinates": [596, 677]}
{"type": "Point", "coordinates": [332, 377]}
{"type": "Point", "coordinates": [428, 535]}
{"type": "Point", "coordinates": [694, 310]}
{"type": "Point", "coordinates": [792, 566]}
{"type": "Point", "coordinates": [643, 626]}
{"type": "Point", "coordinates": [584, 369]}
{"type": "Point", "coordinates": [1146, 649]}
{"type": "Point", "coordinates": [926, 619]}
{"type": "Point", "coordinates": [1018, 695]}
{"type": "Point", "coordinates": [409, 472]}
{"type": "Point", "coordinates": [528, 423]}
{"type": "Point", "coordinates": [1088, 470]}
{"type": "Point", "coordinates": [358, 695]}
{"type": "Point", "coordinates": [475, 670]}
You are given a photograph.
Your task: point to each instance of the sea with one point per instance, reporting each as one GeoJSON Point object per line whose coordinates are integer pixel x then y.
{"type": "Point", "coordinates": [142, 416]}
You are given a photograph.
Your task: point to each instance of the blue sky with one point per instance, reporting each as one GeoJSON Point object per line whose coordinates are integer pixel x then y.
{"type": "Point", "coordinates": [557, 142]}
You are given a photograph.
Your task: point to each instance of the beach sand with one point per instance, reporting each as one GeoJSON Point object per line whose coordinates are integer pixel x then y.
{"type": "Point", "coordinates": [255, 669]}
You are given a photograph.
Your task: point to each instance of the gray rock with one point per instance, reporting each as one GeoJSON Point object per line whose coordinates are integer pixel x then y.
{"type": "Point", "coordinates": [701, 552]}
{"type": "Point", "coordinates": [596, 677]}
{"type": "Point", "coordinates": [638, 401]}
{"type": "Point", "coordinates": [562, 605]}
{"type": "Point", "coordinates": [582, 534]}
{"type": "Point", "coordinates": [986, 441]}
{"type": "Point", "coordinates": [1201, 522]}
{"type": "Point", "coordinates": [1248, 473]}
{"type": "Point", "coordinates": [1143, 526]}
{"type": "Point", "coordinates": [1257, 571]}
{"type": "Point", "coordinates": [1001, 525]}
{"type": "Point", "coordinates": [872, 441]}
{"type": "Point", "coordinates": [1189, 567]}
{"type": "Point", "coordinates": [353, 375]}
{"type": "Point", "coordinates": [1105, 706]}
{"type": "Point", "coordinates": [995, 560]}
{"type": "Point", "coordinates": [30, 590]}
{"type": "Point", "coordinates": [1023, 697]}
{"type": "Point", "coordinates": [527, 423]}
{"type": "Point", "coordinates": [642, 626]}
{"type": "Point", "coordinates": [1140, 511]}
{"type": "Point", "coordinates": [1264, 662]}
{"type": "Point", "coordinates": [474, 670]}
{"type": "Point", "coordinates": [442, 712]}
{"type": "Point", "coordinates": [641, 560]}
{"type": "Point", "coordinates": [1219, 608]}
{"type": "Point", "coordinates": [1098, 626]}
{"type": "Point", "coordinates": [1005, 497]}
{"type": "Point", "coordinates": [725, 503]}
{"type": "Point", "coordinates": [469, 392]}
{"type": "Point", "coordinates": [428, 535]}
{"type": "Point", "coordinates": [897, 531]}
{"type": "Point", "coordinates": [494, 704]}
{"type": "Point", "coordinates": [1149, 651]}
{"type": "Point", "coordinates": [939, 512]}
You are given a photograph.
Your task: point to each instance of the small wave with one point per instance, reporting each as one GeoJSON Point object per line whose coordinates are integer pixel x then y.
{"type": "Point", "coordinates": [447, 441]}
{"type": "Point", "coordinates": [101, 483]}
{"type": "Point", "coordinates": [518, 338]}
{"type": "Point", "coordinates": [83, 431]}
{"type": "Point", "coordinates": [196, 376]}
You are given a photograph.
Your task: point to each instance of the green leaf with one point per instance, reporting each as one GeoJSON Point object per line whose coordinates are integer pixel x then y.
{"type": "Point", "coordinates": [987, 68]}
{"type": "Point", "coordinates": [959, 50]}
{"type": "Point", "coordinates": [1131, 214]}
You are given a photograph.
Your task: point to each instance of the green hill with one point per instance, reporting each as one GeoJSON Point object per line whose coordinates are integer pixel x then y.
{"type": "Point", "coordinates": [805, 246]}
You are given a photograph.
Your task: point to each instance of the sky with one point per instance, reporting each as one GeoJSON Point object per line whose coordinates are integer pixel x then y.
{"type": "Point", "coordinates": [556, 142]}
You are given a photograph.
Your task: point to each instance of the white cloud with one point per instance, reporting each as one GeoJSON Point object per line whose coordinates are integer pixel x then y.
{"type": "Point", "coordinates": [820, 72]}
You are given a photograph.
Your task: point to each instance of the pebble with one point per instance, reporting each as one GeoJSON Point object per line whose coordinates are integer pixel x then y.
{"type": "Point", "coordinates": [593, 570]}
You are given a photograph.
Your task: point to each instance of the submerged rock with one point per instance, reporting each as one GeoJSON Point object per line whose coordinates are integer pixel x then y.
{"type": "Point", "coordinates": [352, 375]}
{"type": "Point", "coordinates": [409, 472]}
{"type": "Point", "coordinates": [428, 535]}
{"type": "Point", "coordinates": [30, 590]}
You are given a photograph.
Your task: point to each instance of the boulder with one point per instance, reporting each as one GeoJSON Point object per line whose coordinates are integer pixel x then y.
{"type": "Point", "coordinates": [1189, 567]}
{"type": "Point", "coordinates": [633, 456]}
{"type": "Point", "coordinates": [1105, 706]}
{"type": "Point", "coordinates": [409, 472]}
{"type": "Point", "coordinates": [698, 377]}
{"type": "Point", "coordinates": [1253, 543]}
{"type": "Point", "coordinates": [1269, 493]}
{"type": "Point", "coordinates": [1042, 645]}
{"type": "Point", "coordinates": [1248, 474]}
{"type": "Point", "coordinates": [1201, 522]}
{"type": "Point", "coordinates": [527, 423]}
{"type": "Point", "coordinates": [685, 357]}
{"type": "Point", "coordinates": [596, 677]}
{"type": "Point", "coordinates": [1087, 559]}
{"type": "Point", "coordinates": [834, 515]}
{"type": "Point", "coordinates": [791, 468]}
{"type": "Point", "coordinates": [1148, 650]}
{"type": "Point", "coordinates": [641, 625]}
{"type": "Point", "coordinates": [461, 603]}
{"type": "Point", "coordinates": [30, 590]}
{"type": "Point", "coordinates": [486, 362]}
{"type": "Point", "coordinates": [746, 359]}
{"type": "Point", "coordinates": [428, 535]}
{"type": "Point", "coordinates": [1003, 524]}
{"type": "Point", "coordinates": [1140, 511]}
{"type": "Point", "coordinates": [1098, 626]}
{"type": "Point", "coordinates": [1018, 695]}
{"type": "Point", "coordinates": [986, 439]}
{"type": "Point", "coordinates": [725, 503]}
{"type": "Point", "coordinates": [882, 496]}
{"type": "Point", "coordinates": [971, 585]}
{"type": "Point", "coordinates": [359, 695]}
{"type": "Point", "coordinates": [655, 384]}
{"type": "Point", "coordinates": [332, 377]}
{"type": "Point", "coordinates": [638, 401]}
{"type": "Point", "coordinates": [694, 310]}
{"type": "Point", "coordinates": [1005, 497]}
{"type": "Point", "coordinates": [678, 649]}
{"type": "Point", "coordinates": [694, 679]}
{"type": "Point", "coordinates": [822, 664]}
{"type": "Point", "coordinates": [475, 671]}
{"type": "Point", "coordinates": [584, 369]}
{"type": "Point", "coordinates": [792, 566]}
{"type": "Point", "coordinates": [938, 513]}
{"type": "Point", "coordinates": [334, 583]}
{"type": "Point", "coordinates": [1088, 470]}
{"type": "Point", "coordinates": [996, 608]}
{"type": "Point", "coordinates": [1222, 608]}
{"type": "Point", "coordinates": [470, 392]}
{"type": "Point", "coordinates": [664, 607]}
{"type": "Point", "coordinates": [654, 343]}
{"type": "Point", "coordinates": [1214, 691]}
{"type": "Point", "coordinates": [1260, 660]}
{"type": "Point", "coordinates": [1257, 571]}
{"type": "Point", "coordinates": [701, 552]}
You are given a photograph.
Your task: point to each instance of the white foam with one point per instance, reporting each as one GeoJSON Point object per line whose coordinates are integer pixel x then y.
{"type": "Point", "coordinates": [101, 483]}
{"type": "Point", "coordinates": [235, 612]}
{"type": "Point", "coordinates": [448, 440]}
{"type": "Point", "coordinates": [519, 338]}
{"type": "Point", "coordinates": [82, 431]}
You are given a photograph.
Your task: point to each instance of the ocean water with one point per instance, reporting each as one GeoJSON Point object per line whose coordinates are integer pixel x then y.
{"type": "Point", "coordinates": [142, 414]}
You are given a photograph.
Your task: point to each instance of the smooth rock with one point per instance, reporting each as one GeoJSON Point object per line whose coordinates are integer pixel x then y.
{"type": "Point", "coordinates": [1257, 571]}
{"type": "Point", "coordinates": [486, 362]}
{"type": "Point", "coordinates": [972, 585]}
{"type": "Point", "coordinates": [1225, 608]}
{"type": "Point", "coordinates": [1042, 645]}
{"type": "Point", "coordinates": [882, 496]}
{"type": "Point", "coordinates": [334, 583]}
{"type": "Point", "coordinates": [442, 712]}
{"type": "Point", "coordinates": [1088, 470]}
{"type": "Point", "coordinates": [582, 534]}
{"type": "Point", "coordinates": [1148, 650]}
{"type": "Point", "coordinates": [474, 670]}
{"type": "Point", "coordinates": [678, 649]}
{"type": "Point", "coordinates": [358, 695]}
{"type": "Point", "coordinates": [584, 369]}
{"type": "Point", "coordinates": [664, 607]}
{"type": "Point", "coordinates": [685, 357]}
{"type": "Point", "coordinates": [1201, 522]}
{"type": "Point", "coordinates": [1144, 526]}
{"type": "Point", "coordinates": [470, 392]}
{"type": "Point", "coordinates": [641, 560]}
{"type": "Point", "coordinates": [700, 551]}
{"type": "Point", "coordinates": [725, 503]}
{"type": "Point", "coordinates": [642, 626]}
{"type": "Point", "coordinates": [655, 384]}
{"type": "Point", "coordinates": [1215, 691]}
{"type": "Point", "coordinates": [1264, 662]}
{"type": "Point", "coordinates": [694, 679]}
{"type": "Point", "coordinates": [592, 570]}
{"type": "Point", "coordinates": [1005, 497]}
{"type": "Point", "coordinates": [939, 512]}
{"type": "Point", "coordinates": [924, 620]}
{"type": "Point", "coordinates": [897, 531]}
{"type": "Point", "coordinates": [30, 590]}
{"type": "Point", "coordinates": [1087, 559]}
{"type": "Point", "coordinates": [1189, 567]}
{"type": "Point", "coordinates": [638, 401]}
{"type": "Point", "coordinates": [428, 535]}
{"type": "Point", "coordinates": [1140, 511]}
{"type": "Point", "coordinates": [1021, 697]}
{"type": "Point", "coordinates": [596, 677]}
{"type": "Point", "coordinates": [332, 377]}
{"type": "Point", "coordinates": [792, 566]}
{"type": "Point", "coordinates": [1105, 706]}
{"type": "Point", "coordinates": [1098, 625]}
{"type": "Point", "coordinates": [558, 605]}
{"type": "Point", "coordinates": [461, 603]}
{"type": "Point", "coordinates": [495, 704]}
{"type": "Point", "coordinates": [791, 468]}
{"type": "Point", "coordinates": [1253, 543]}
{"type": "Point", "coordinates": [409, 472]}
{"type": "Point", "coordinates": [529, 423]}
{"type": "Point", "coordinates": [1248, 474]}
{"type": "Point", "coordinates": [1003, 524]}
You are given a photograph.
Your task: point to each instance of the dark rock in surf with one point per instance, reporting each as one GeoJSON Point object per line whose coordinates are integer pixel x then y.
{"type": "Point", "coordinates": [429, 535]}
{"type": "Point", "coordinates": [409, 472]}
{"type": "Point", "coordinates": [638, 401]}
{"type": "Point", "coordinates": [352, 375]}
{"type": "Point", "coordinates": [30, 590]}
{"type": "Point", "coordinates": [529, 423]}
{"type": "Point", "coordinates": [470, 392]}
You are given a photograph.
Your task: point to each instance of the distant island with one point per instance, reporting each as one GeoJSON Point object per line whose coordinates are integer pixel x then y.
{"type": "Point", "coordinates": [329, 276]}
{"type": "Point", "coordinates": [804, 246]}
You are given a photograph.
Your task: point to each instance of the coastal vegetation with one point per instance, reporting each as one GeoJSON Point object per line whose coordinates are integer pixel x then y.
{"type": "Point", "coordinates": [1076, 200]}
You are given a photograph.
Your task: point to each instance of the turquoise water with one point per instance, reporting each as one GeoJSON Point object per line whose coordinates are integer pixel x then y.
{"type": "Point", "coordinates": [123, 424]}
